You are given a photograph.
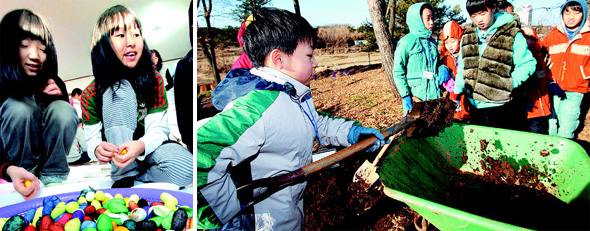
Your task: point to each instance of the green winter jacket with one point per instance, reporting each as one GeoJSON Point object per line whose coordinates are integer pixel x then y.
{"type": "Point", "coordinates": [416, 52]}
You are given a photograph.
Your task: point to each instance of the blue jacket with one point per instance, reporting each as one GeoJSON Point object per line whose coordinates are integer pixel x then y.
{"type": "Point", "coordinates": [522, 59]}
{"type": "Point", "coordinates": [268, 123]}
{"type": "Point", "coordinates": [416, 52]}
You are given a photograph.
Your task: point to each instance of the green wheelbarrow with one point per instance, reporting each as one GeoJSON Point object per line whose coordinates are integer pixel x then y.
{"type": "Point", "coordinates": [423, 174]}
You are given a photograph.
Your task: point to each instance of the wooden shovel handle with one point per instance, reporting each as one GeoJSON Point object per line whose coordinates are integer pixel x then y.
{"type": "Point", "coordinates": [347, 152]}
{"type": "Point", "coordinates": [383, 149]}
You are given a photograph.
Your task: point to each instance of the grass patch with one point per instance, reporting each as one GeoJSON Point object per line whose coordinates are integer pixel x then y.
{"type": "Point", "coordinates": [367, 101]}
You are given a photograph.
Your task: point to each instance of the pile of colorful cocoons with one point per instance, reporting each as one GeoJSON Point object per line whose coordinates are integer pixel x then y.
{"type": "Point", "coordinates": [99, 211]}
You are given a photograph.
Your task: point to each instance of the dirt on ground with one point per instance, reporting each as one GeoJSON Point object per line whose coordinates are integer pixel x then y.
{"type": "Point", "coordinates": [346, 85]}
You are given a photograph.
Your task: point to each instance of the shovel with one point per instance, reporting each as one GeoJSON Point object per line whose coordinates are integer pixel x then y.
{"type": "Point", "coordinates": [276, 183]}
{"type": "Point", "coordinates": [367, 172]}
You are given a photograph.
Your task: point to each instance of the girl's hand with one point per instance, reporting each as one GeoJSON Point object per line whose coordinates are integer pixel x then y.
{"type": "Point", "coordinates": [104, 152]}
{"type": "Point", "coordinates": [19, 178]}
{"type": "Point", "coordinates": [51, 88]}
{"type": "Point", "coordinates": [129, 151]}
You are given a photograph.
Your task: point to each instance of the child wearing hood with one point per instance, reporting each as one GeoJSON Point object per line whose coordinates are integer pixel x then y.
{"type": "Point", "coordinates": [494, 61]}
{"type": "Point", "coordinates": [415, 60]}
{"type": "Point", "coordinates": [569, 47]}
{"type": "Point", "coordinates": [451, 39]}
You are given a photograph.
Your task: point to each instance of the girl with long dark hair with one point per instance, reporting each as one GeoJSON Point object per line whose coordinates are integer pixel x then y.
{"type": "Point", "coordinates": [124, 108]}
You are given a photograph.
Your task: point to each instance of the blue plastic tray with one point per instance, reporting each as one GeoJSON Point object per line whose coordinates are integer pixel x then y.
{"type": "Point", "coordinates": [151, 195]}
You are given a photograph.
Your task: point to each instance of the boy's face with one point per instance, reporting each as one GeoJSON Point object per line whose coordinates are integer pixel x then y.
{"type": "Point", "coordinates": [428, 19]}
{"type": "Point", "coordinates": [301, 64]}
{"type": "Point", "coordinates": [572, 18]}
{"type": "Point", "coordinates": [483, 19]}
{"type": "Point", "coordinates": [452, 45]}
{"type": "Point", "coordinates": [32, 56]}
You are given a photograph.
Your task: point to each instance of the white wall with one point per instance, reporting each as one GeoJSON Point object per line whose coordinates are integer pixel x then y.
{"type": "Point", "coordinates": [164, 22]}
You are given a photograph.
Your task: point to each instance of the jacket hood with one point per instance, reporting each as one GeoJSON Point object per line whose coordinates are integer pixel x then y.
{"type": "Point", "coordinates": [451, 29]}
{"type": "Point", "coordinates": [500, 19]}
{"type": "Point", "coordinates": [239, 82]}
{"type": "Point", "coordinates": [584, 11]}
{"type": "Point", "coordinates": [414, 21]}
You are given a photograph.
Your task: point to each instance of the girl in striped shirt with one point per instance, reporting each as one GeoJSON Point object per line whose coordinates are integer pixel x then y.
{"type": "Point", "coordinates": [124, 107]}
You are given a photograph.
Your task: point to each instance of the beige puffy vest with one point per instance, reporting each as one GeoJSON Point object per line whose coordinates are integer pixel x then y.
{"type": "Point", "coordinates": [487, 78]}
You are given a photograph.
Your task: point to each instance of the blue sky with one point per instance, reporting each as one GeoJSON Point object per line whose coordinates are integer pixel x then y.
{"type": "Point", "coordinates": [355, 12]}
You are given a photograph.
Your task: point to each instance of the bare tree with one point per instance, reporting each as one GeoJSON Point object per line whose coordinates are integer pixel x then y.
{"type": "Point", "coordinates": [296, 5]}
{"type": "Point", "coordinates": [391, 13]}
{"type": "Point", "coordinates": [384, 40]}
{"type": "Point", "coordinates": [207, 41]}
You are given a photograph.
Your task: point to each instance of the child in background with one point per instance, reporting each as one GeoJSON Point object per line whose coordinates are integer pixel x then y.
{"type": "Point", "coordinates": [494, 61]}
{"type": "Point", "coordinates": [127, 103]}
{"type": "Point", "coordinates": [569, 47]}
{"type": "Point", "coordinates": [416, 59]}
{"type": "Point", "coordinates": [157, 64]}
{"type": "Point", "coordinates": [75, 101]}
{"type": "Point", "coordinates": [537, 87]}
{"type": "Point", "coordinates": [267, 127]}
{"type": "Point", "coordinates": [243, 61]}
{"type": "Point", "coordinates": [156, 60]}
{"type": "Point", "coordinates": [451, 39]}
{"type": "Point", "coordinates": [37, 124]}
{"type": "Point", "coordinates": [506, 7]}
{"type": "Point", "coordinates": [79, 151]}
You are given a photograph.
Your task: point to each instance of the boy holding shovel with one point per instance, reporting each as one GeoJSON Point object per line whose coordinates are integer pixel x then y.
{"type": "Point", "coordinates": [267, 128]}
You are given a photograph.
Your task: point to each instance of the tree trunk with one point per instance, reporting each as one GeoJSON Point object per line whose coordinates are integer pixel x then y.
{"type": "Point", "coordinates": [384, 41]}
{"type": "Point", "coordinates": [391, 10]}
{"type": "Point", "coordinates": [210, 52]}
{"type": "Point", "coordinates": [296, 5]}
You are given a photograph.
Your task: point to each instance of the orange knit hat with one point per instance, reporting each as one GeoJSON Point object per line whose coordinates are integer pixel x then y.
{"type": "Point", "coordinates": [451, 29]}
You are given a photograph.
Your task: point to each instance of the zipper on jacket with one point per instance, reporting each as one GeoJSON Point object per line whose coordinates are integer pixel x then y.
{"type": "Point", "coordinates": [578, 36]}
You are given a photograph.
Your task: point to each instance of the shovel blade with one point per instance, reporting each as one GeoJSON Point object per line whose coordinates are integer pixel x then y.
{"type": "Point", "coordinates": [362, 172]}
{"type": "Point", "coordinates": [366, 174]}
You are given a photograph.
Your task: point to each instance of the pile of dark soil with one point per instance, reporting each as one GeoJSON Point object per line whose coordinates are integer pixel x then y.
{"type": "Point", "coordinates": [514, 195]}
{"type": "Point", "coordinates": [333, 202]}
{"type": "Point", "coordinates": [433, 115]}
{"type": "Point", "coordinates": [504, 189]}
